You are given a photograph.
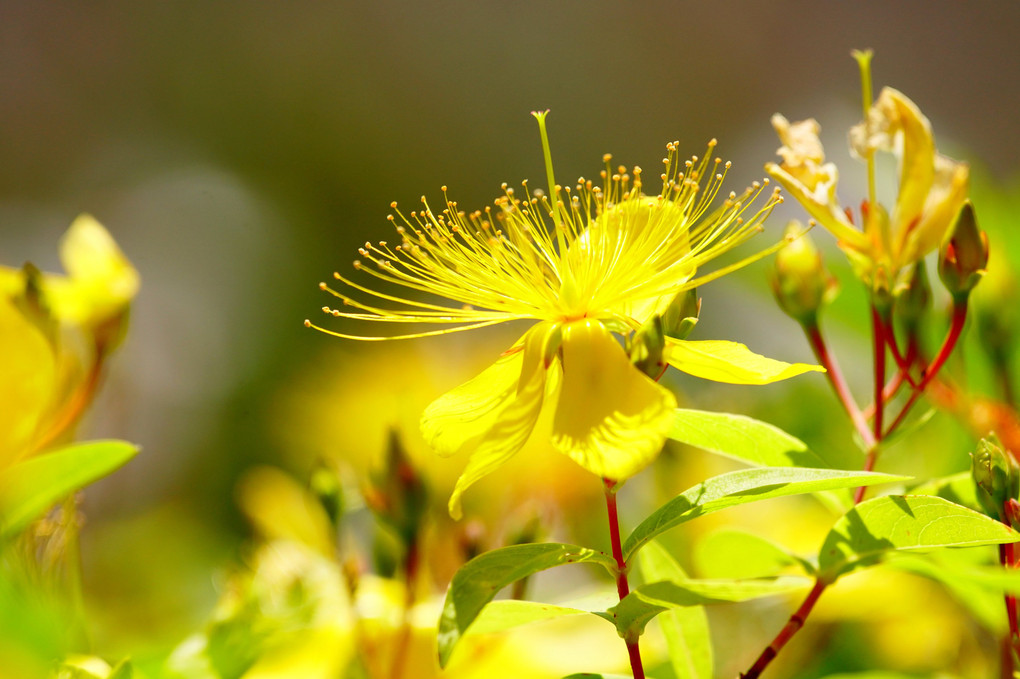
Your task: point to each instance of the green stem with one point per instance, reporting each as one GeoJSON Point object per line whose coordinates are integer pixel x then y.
{"type": "Point", "coordinates": [622, 585]}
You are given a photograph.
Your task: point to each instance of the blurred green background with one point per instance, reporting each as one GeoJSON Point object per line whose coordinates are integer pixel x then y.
{"type": "Point", "coordinates": [241, 151]}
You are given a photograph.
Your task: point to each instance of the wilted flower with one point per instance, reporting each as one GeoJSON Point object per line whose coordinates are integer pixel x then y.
{"type": "Point", "coordinates": [932, 187]}
{"type": "Point", "coordinates": [612, 258]}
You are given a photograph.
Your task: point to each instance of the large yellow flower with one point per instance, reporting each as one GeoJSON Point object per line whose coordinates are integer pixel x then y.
{"type": "Point", "coordinates": [585, 264]}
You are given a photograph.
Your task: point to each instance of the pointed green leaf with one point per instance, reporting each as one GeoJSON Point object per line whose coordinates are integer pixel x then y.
{"type": "Point", "coordinates": [685, 629]}
{"type": "Point", "coordinates": [743, 486]}
{"type": "Point", "coordinates": [506, 614]}
{"type": "Point", "coordinates": [743, 438]}
{"type": "Point", "coordinates": [730, 553]}
{"type": "Point", "coordinates": [31, 487]}
{"type": "Point", "coordinates": [730, 362]}
{"type": "Point", "coordinates": [479, 580]}
{"type": "Point", "coordinates": [901, 523]}
{"type": "Point", "coordinates": [645, 602]}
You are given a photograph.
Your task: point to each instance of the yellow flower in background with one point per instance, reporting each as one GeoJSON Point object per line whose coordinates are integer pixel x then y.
{"type": "Point", "coordinates": [611, 259]}
{"type": "Point", "coordinates": [932, 187]}
{"type": "Point", "coordinates": [46, 379]}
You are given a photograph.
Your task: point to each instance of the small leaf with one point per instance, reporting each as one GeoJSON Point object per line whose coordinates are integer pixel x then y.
{"type": "Point", "coordinates": [479, 580]}
{"type": "Point", "coordinates": [743, 438]}
{"type": "Point", "coordinates": [31, 487]}
{"type": "Point", "coordinates": [900, 523]}
{"type": "Point", "coordinates": [647, 601]}
{"type": "Point", "coordinates": [730, 553]}
{"type": "Point", "coordinates": [685, 629]}
{"type": "Point", "coordinates": [730, 362]}
{"type": "Point", "coordinates": [741, 487]}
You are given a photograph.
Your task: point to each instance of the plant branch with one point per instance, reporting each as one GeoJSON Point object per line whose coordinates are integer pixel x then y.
{"type": "Point", "coordinates": [791, 627]}
{"type": "Point", "coordinates": [622, 585]}
{"type": "Point", "coordinates": [835, 377]}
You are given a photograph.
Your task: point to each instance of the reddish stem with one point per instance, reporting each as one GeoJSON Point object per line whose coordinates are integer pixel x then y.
{"type": "Point", "coordinates": [948, 344]}
{"type": "Point", "coordinates": [835, 376]}
{"type": "Point", "coordinates": [622, 586]}
{"type": "Point", "coordinates": [878, 332]}
{"type": "Point", "coordinates": [791, 627]}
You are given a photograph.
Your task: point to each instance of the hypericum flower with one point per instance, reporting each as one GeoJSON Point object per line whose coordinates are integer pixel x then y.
{"type": "Point", "coordinates": [610, 259]}
{"type": "Point", "coordinates": [932, 187]}
{"type": "Point", "coordinates": [46, 384]}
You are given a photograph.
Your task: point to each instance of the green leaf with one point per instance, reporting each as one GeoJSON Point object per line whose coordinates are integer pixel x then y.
{"type": "Point", "coordinates": [730, 553]}
{"type": "Point", "coordinates": [645, 602]}
{"type": "Point", "coordinates": [730, 362]}
{"type": "Point", "coordinates": [958, 488]}
{"type": "Point", "coordinates": [479, 580]}
{"type": "Point", "coordinates": [685, 629]}
{"type": "Point", "coordinates": [751, 441]}
{"type": "Point", "coordinates": [900, 523]}
{"type": "Point", "coordinates": [506, 614]}
{"type": "Point", "coordinates": [741, 487]}
{"type": "Point", "coordinates": [31, 487]}
{"type": "Point", "coordinates": [591, 675]}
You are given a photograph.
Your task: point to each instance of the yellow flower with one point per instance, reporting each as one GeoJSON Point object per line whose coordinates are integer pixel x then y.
{"type": "Point", "coordinates": [932, 187]}
{"type": "Point", "coordinates": [612, 257]}
{"type": "Point", "coordinates": [45, 381]}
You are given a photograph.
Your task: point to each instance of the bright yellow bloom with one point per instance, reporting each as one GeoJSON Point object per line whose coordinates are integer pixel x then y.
{"type": "Point", "coordinates": [932, 187]}
{"type": "Point", "coordinates": [612, 257]}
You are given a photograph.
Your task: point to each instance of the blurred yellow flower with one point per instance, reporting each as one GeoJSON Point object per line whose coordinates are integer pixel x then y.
{"type": "Point", "coordinates": [932, 187]}
{"type": "Point", "coordinates": [612, 258]}
{"type": "Point", "coordinates": [46, 379]}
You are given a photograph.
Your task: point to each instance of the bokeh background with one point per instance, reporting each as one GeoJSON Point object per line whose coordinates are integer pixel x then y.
{"type": "Point", "coordinates": [241, 151]}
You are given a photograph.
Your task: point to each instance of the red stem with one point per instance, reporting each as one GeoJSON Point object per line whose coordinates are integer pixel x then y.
{"type": "Point", "coordinates": [948, 344]}
{"type": "Point", "coordinates": [835, 376]}
{"type": "Point", "coordinates": [795, 622]}
{"type": "Point", "coordinates": [622, 586]}
{"type": "Point", "coordinates": [878, 331]}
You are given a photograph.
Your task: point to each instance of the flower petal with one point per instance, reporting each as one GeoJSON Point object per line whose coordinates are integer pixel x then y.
{"type": "Point", "coordinates": [610, 418]}
{"type": "Point", "coordinates": [730, 362]}
{"type": "Point", "coordinates": [100, 282]}
{"type": "Point", "coordinates": [511, 416]}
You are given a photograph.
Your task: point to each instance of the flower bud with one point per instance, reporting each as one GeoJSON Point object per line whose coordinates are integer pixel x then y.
{"type": "Point", "coordinates": [996, 474]}
{"type": "Point", "coordinates": [963, 257]}
{"type": "Point", "coordinates": [800, 281]}
{"type": "Point", "coordinates": [646, 346]}
{"type": "Point", "coordinates": [398, 495]}
{"type": "Point", "coordinates": [325, 485]}
{"type": "Point", "coordinates": [682, 314]}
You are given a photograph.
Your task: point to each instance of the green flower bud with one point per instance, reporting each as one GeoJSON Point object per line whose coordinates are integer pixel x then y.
{"type": "Point", "coordinates": [682, 314]}
{"type": "Point", "coordinates": [996, 474]}
{"type": "Point", "coordinates": [325, 485]}
{"type": "Point", "coordinates": [963, 257]}
{"type": "Point", "coordinates": [646, 346]}
{"type": "Point", "coordinates": [800, 281]}
{"type": "Point", "coordinates": [398, 495]}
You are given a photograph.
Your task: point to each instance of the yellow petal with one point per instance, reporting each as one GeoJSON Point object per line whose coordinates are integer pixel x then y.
{"type": "Point", "coordinates": [730, 362]}
{"type": "Point", "coordinates": [456, 421]}
{"type": "Point", "coordinates": [820, 201]}
{"type": "Point", "coordinates": [948, 192]}
{"type": "Point", "coordinates": [100, 281]}
{"type": "Point", "coordinates": [27, 381]}
{"type": "Point", "coordinates": [895, 124]}
{"type": "Point", "coordinates": [512, 413]}
{"type": "Point", "coordinates": [610, 418]}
